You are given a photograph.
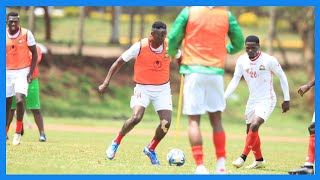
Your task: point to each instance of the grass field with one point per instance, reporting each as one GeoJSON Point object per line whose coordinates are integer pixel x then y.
{"type": "Point", "coordinates": [77, 139]}
{"type": "Point", "coordinates": [77, 146]}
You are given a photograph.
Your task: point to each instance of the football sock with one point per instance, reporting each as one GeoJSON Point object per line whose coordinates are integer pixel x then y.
{"type": "Point", "coordinates": [250, 142]}
{"type": "Point", "coordinates": [244, 157]}
{"type": "Point", "coordinates": [153, 144]}
{"type": "Point", "coordinates": [310, 157]}
{"type": "Point", "coordinates": [219, 141]}
{"type": "Point", "coordinates": [197, 155]}
{"type": "Point", "coordinates": [19, 126]}
{"type": "Point", "coordinates": [7, 128]}
{"type": "Point", "coordinates": [256, 149]}
{"type": "Point", "coordinates": [118, 138]}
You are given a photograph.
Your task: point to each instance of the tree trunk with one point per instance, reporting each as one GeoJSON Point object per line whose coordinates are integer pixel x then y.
{"type": "Point", "coordinates": [272, 28]}
{"type": "Point", "coordinates": [131, 26]}
{"type": "Point", "coordinates": [47, 22]}
{"type": "Point", "coordinates": [81, 29]}
{"type": "Point", "coordinates": [141, 24]}
{"type": "Point", "coordinates": [31, 19]}
{"type": "Point", "coordinates": [116, 11]}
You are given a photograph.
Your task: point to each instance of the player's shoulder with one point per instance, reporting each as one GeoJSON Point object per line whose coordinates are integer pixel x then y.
{"type": "Point", "coordinates": [242, 57]}
{"type": "Point", "coordinates": [268, 57]}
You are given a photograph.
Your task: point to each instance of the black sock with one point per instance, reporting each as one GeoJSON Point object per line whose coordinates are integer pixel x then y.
{"type": "Point", "coordinates": [261, 159]}
{"type": "Point", "coordinates": [244, 157]}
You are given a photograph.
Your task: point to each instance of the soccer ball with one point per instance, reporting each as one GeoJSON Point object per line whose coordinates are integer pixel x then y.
{"type": "Point", "coordinates": [176, 157]}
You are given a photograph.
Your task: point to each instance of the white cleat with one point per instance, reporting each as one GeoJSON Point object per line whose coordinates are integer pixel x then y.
{"type": "Point", "coordinates": [238, 162]}
{"type": "Point", "coordinates": [201, 170]}
{"type": "Point", "coordinates": [16, 139]}
{"type": "Point", "coordinates": [257, 164]}
{"type": "Point", "coordinates": [221, 166]}
{"type": "Point", "coordinates": [221, 171]}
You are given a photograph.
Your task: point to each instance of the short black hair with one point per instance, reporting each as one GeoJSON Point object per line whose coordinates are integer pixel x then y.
{"type": "Point", "coordinates": [12, 14]}
{"type": "Point", "coordinates": [252, 38]}
{"type": "Point", "coordinates": [159, 25]}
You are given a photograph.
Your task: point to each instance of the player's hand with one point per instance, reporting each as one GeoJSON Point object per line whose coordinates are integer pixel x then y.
{"type": "Point", "coordinates": [29, 77]}
{"type": "Point", "coordinates": [303, 89]}
{"type": "Point", "coordinates": [102, 88]}
{"type": "Point", "coordinates": [285, 106]}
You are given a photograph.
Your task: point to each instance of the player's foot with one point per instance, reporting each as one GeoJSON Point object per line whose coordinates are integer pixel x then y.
{"type": "Point", "coordinates": [16, 139]}
{"type": "Point", "coordinates": [302, 170]}
{"type": "Point", "coordinates": [152, 156]}
{"type": "Point", "coordinates": [22, 130]}
{"type": "Point", "coordinates": [42, 138]}
{"type": "Point", "coordinates": [221, 166]}
{"type": "Point", "coordinates": [111, 151]}
{"type": "Point", "coordinates": [238, 162]}
{"type": "Point", "coordinates": [7, 138]}
{"type": "Point", "coordinates": [201, 170]}
{"type": "Point", "coordinates": [256, 165]}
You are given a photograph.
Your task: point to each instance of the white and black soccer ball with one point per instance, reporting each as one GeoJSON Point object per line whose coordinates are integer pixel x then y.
{"type": "Point", "coordinates": [176, 157]}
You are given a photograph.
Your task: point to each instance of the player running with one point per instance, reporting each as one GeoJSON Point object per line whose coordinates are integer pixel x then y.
{"type": "Point", "coordinates": [258, 69]}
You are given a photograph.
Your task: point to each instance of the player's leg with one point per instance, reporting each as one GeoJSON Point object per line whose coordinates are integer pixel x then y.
{"type": "Point", "coordinates": [308, 167]}
{"type": "Point", "coordinates": [33, 103]}
{"type": "Point", "coordinates": [8, 108]}
{"type": "Point", "coordinates": [193, 100]}
{"type": "Point", "coordinates": [139, 102]}
{"type": "Point", "coordinates": [21, 91]}
{"type": "Point", "coordinates": [215, 104]}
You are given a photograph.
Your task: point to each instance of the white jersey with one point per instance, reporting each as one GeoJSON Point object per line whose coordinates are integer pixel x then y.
{"type": "Point", "coordinates": [258, 74]}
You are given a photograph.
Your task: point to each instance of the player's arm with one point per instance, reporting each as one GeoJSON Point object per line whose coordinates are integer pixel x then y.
{"type": "Point", "coordinates": [232, 86]}
{"type": "Point", "coordinates": [277, 70]}
{"type": "Point", "coordinates": [235, 36]}
{"type": "Point", "coordinates": [305, 88]}
{"type": "Point", "coordinates": [116, 66]}
{"type": "Point", "coordinates": [31, 42]}
{"type": "Point", "coordinates": [177, 32]}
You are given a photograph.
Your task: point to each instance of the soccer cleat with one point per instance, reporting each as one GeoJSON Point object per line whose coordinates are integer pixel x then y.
{"type": "Point", "coordinates": [302, 170]}
{"type": "Point", "coordinates": [16, 139]}
{"type": "Point", "coordinates": [7, 138]}
{"type": "Point", "coordinates": [238, 162]}
{"type": "Point", "coordinates": [221, 171]}
{"type": "Point", "coordinates": [256, 165]}
{"type": "Point", "coordinates": [152, 156]}
{"type": "Point", "coordinates": [42, 138]}
{"type": "Point", "coordinates": [201, 170]}
{"type": "Point", "coordinates": [111, 151]}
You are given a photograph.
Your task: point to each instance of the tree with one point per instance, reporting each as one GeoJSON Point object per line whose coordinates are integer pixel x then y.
{"type": "Point", "coordinates": [47, 22]}
{"type": "Point", "coordinates": [81, 28]}
{"type": "Point", "coordinates": [31, 19]}
{"type": "Point", "coordinates": [116, 11]}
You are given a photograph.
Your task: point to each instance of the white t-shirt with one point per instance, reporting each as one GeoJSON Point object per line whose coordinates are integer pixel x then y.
{"type": "Point", "coordinates": [134, 50]}
{"type": "Point", "coordinates": [30, 38]}
{"type": "Point", "coordinates": [258, 74]}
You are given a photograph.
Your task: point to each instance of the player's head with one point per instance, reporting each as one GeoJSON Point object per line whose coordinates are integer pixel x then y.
{"type": "Point", "coordinates": [252, 46]}
{"type": "Point", "coordinates": [13, 21]}
{"type": "Point", "coordinates": [158, 32]}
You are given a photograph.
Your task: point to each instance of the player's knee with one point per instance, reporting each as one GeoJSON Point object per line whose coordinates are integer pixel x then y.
{"type": "Point", "coordinates": [19, 101]}
{"type": "Point", "coordinates": [136, 118]}
{"type": "Point", "coordinates": [165, 125]}
{"type": "Point", "coordinates": [311, 129]}
{"type": "Point", "coordinates": [254, 127]}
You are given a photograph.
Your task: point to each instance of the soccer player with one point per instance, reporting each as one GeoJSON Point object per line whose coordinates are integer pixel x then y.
{"type": "Point", "coordinates": [257, 68]}
{"type": "Point", "coordinates": [308, 168]}
{"type": "Point", "coordinates": [33, 98]}
{"type": "Point", "coordinates": [204, 31]}
{"type": "Point", "coordinates": [151, 75]}
{"type": "Point", "coordinates": [19, 68]}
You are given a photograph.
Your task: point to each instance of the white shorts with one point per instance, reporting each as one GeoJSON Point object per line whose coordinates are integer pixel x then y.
{"type": "Point", "coordinates": [262, 109]}
{"type": "Point", "coordinates": [314, 118]}
{"type": "Point", "coordinates": [203, 93]}
{"type": "Point", "coordinates": [160, 96]}
{"type": "Point", "coordinates": [16, 82]}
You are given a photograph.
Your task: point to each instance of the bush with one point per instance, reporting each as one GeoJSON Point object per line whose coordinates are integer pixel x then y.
{"type": "Point", "coordinates": [71, 11]}
{"type": "Point", "coordinates": [248, 19]}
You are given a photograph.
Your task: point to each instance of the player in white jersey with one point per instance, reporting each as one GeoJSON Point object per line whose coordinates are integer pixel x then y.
{"type": "Point", "coordinates": [307, 168]}
{"type": "Point", "coordinates": [257, 68]}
